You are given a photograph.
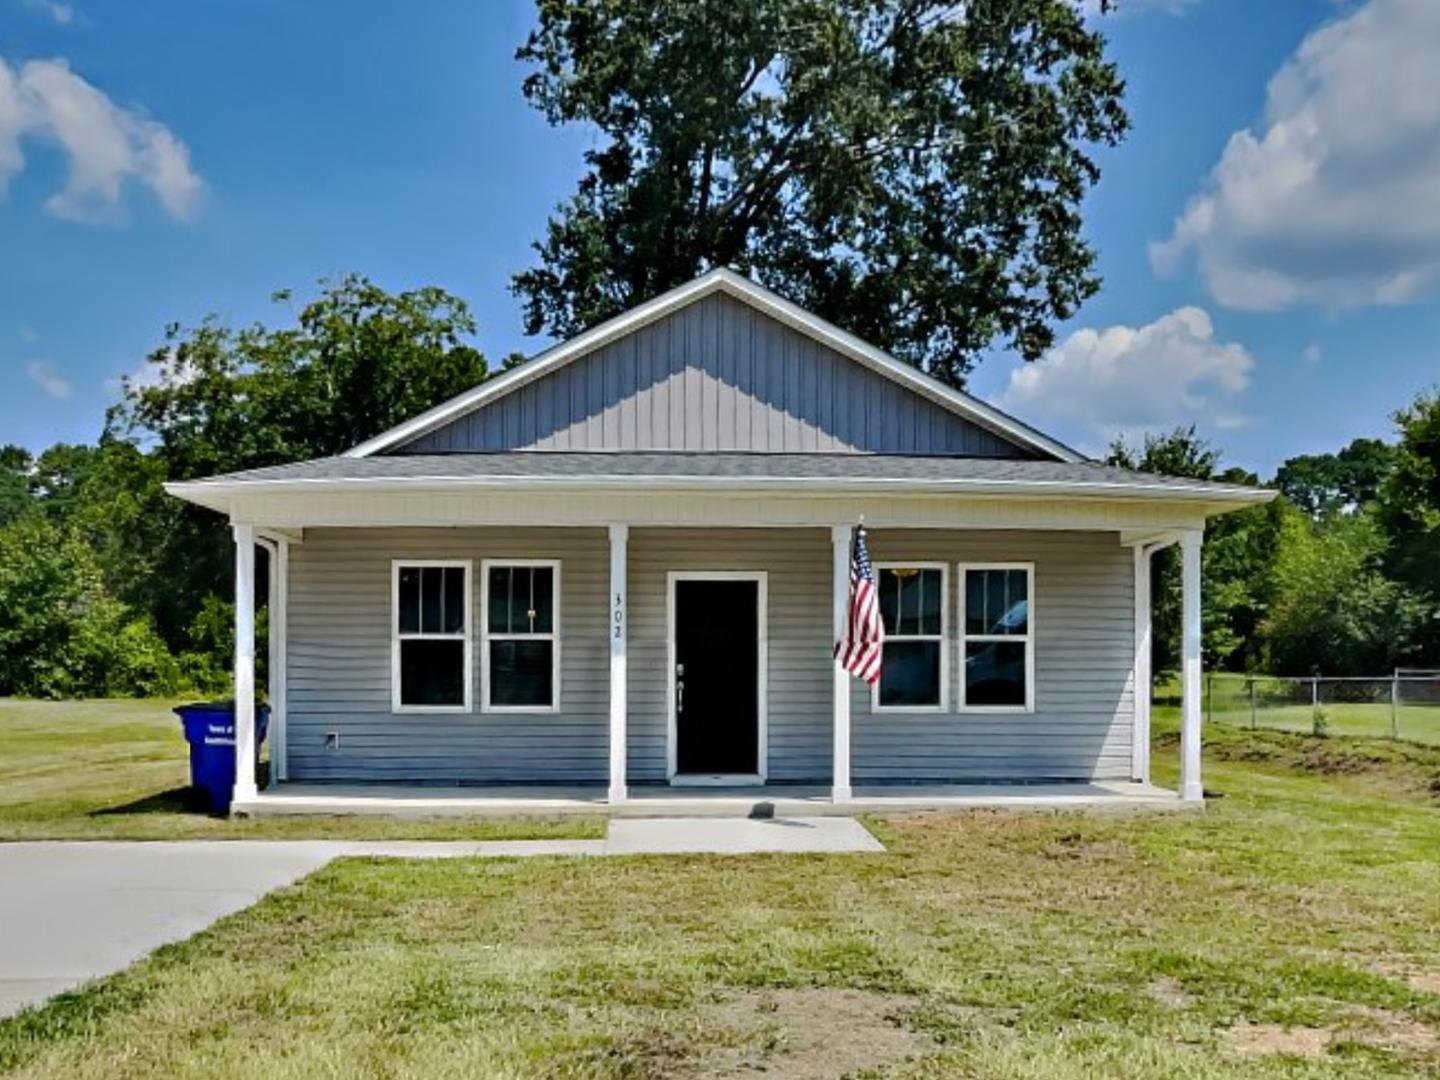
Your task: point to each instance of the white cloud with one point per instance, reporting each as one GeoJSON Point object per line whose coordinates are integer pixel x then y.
{"type": "Point", "coordinates": [43, 375]}
{"type": "Point", "coordinates": [1312, 353]}
{"type": "Point", "coordinates": [1124, 380]}
{"type": "Point", "coordinates": [1335, 200]}
{"type": "Point", "coordinates": [63, 14]}
{"type": "Point", "coordinates": [106, 146]}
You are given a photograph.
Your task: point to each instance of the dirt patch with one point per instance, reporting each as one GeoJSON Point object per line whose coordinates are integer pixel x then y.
{"type": "Point", "coordinates": [1258, 1040]}
{"type": "Point", "coordinates": [1394, 1031]}
{"type": "Point", "coordinates": [1428, 981]}
{"type": "Point", "coordinates": [1168, 992]}
{"type": "Point", "coordinates": [810, 1034]}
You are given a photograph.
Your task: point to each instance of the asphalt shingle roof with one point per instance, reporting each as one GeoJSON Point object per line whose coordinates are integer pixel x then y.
{"type": "Point", "coordinates": [739, 467]}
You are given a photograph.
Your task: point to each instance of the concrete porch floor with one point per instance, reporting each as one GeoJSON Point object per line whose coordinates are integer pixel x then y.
{"type": "Point", "coordinates": [666, 801]}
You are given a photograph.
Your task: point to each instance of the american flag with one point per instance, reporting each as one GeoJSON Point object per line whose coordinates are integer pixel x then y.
{"type": "Point", "coordinates": [859, 651]}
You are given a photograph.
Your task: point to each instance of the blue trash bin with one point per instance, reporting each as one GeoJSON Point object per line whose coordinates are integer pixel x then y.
{"type": "Point", "coordinates": [210, 731]}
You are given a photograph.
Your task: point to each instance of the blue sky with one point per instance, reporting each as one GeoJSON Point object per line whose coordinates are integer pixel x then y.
{"type": "Point", "coordinates": [1269, 235]}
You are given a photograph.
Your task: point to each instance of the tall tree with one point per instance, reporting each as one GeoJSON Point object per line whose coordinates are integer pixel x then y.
{"type": "Point", "coordinates": [356, 360]}
{"type": "Point", "coordinates": [1346, 480]}
{"type": "Point", "coordinates": [1409, 509]}
{"type": "Point", "coordinates": [912, 170]}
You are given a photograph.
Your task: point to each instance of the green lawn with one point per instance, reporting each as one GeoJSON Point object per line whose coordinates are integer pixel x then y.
{"type": "Point", "coordinates": [1292, 929]}
{"type": "Point", "coordinates": [118, 770]}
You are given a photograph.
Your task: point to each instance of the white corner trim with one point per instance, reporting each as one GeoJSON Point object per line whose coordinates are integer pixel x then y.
{"type": "Point", "coordinates": [758, 297]}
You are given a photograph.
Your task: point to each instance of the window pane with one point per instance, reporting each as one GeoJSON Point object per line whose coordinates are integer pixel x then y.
{"type": "Point", "coordinates": [542, 600]}
{"type": "Point", "coordinates": [995, 602]}
{"type": "Point", "coordinates": [910, 673]}
{"type": "Point", "coordinates": [995, 673]}
{"type": "Point", "coordinates": [520, 672]}
{"type": "Point", "coordinates": [454, 598]}
{"type": "Point", "coordinates": [499, 586]}
{"type": "Point", "coordinates": [522, 600]}
{"type": "Point", "coordinates": [910, 601]}
{"type": "Point", "coordinates": [430, 581]}
{"type": "Point", "coordinates": [408, 617]}
{"type": "Point", "coordinates": [432, 672]}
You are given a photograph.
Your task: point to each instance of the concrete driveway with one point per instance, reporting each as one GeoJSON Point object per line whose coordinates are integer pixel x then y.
{"type": "Point", "coordinates": [72, 912]}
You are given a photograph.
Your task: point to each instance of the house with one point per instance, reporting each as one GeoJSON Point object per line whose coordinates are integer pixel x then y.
{"type": "Point", "coordinates": [622, 565]}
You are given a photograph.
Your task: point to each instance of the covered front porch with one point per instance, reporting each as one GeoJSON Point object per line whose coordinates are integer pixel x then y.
{"type": "Point", "coordinates": [822, 739]}
{"type": "Point", "coordinates": [781, 801]}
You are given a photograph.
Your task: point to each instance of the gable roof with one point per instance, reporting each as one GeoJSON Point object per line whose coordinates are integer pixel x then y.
{"type": "Point", "coordinates": [743, 289]}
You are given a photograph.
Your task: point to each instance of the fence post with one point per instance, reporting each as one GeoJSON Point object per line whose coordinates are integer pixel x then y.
{"type": "Point", "coordinates": [1315, 705]}
{"type": "Point", "coordinates": [1394, 706]}
{"type": "Point", "coordinates": [1253, 724]}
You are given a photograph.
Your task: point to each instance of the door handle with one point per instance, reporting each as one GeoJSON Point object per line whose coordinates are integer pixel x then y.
{"type": "Point", "coordinates": [679, 695]}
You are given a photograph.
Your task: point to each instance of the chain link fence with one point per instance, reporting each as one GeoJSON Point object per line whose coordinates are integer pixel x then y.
{"type": "Point", "coordinates": [1405, 705]}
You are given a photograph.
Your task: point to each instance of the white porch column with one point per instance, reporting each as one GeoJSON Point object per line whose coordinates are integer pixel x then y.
{"type": "Point", "coordinates": [1191, 788]}
{"type": "Point", "coordinates": [244, 662]}
{"type": "Point", "coordinates": [279, 606]}
{"type": "Point", "coordinates": [619, 544]}
{"type": "Point", "coordinates": [840, 545]}
{"type": "Point", "coordinates": [1140, 740]}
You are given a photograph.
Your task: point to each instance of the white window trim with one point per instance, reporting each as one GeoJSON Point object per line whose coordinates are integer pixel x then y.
{"type": "Point", "coordinates": [962, 573]}
{"type": "Point", "coordinates": [942, 638]}
{"type": "Point", "coordinates": [396, 637]}
{"type": "Point", "coordinates": [486, 565]}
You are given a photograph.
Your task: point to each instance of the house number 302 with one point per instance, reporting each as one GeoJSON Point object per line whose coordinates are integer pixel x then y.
{"type": "Point", "coordinates": [618, 617]}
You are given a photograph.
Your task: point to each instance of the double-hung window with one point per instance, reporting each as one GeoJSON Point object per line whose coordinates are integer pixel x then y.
{"type": "Point", "coordinates": [997, 636]}
{"type": "Point", "coordinates": [430, 658]}
{"type": "Point", "coordinates": [914, 607]}
{"type": "Point", "coordinates": [520, 657]}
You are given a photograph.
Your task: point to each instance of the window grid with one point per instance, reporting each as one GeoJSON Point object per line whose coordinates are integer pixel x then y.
{"type": "Point", "coordinates": [941, 704]}
{"type": "Point", "coordinates": [399, 636]}
{"type": "Point", "coordinates": [490, 636]}
{"type": "Point", "coordinates": [1027, 639]}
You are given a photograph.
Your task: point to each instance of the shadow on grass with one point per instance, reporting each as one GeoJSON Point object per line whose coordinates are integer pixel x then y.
{"type": "Point", "coordinates": [180, 800]}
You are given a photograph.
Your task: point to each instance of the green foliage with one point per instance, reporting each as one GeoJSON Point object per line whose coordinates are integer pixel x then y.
{"type": "Point", "coordinates": [1328, 483]}
{"type": "Point", "coordinates": [63, 634]}
{"type": "Point", "coordinates": [910, 169]}
{"type": "Point", "coordinates": [1409, 508]}
{"type": "Point", "coordinates": [1332, 605]}
{"type": "Point", "coordinates": [116, 586]}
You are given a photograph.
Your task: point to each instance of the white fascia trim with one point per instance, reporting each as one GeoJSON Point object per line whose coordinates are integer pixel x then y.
{"type": "Point", "coordinates": [742, 288]}
{"type": "Point", "coordinates": [192, 490]}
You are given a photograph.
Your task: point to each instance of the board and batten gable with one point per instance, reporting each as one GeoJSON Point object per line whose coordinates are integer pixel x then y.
{"type": "Point", "coordinates": [715, 375]}
{"type": "Point", "coordinates": [340, 640]}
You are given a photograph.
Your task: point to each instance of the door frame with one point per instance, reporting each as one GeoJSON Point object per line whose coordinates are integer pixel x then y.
{"type": "Point", "coordinates": [762, 662]}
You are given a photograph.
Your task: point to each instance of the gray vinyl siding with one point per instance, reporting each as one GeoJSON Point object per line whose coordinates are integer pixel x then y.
{"type": "Point", "coordinates": [340, 642]}
{"type": "Point", "coordinates": [1084, 625]}
{"type": "Point", "coordinates": [716, 375]}
{"type": "Point", "coordinates": [339, 664]}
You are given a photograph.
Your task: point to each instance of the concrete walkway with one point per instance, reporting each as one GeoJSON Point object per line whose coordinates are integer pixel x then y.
{"type": "Point", "coordinates": [74, 911]}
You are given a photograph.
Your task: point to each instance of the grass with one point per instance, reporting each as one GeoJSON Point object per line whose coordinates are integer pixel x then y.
{"type": "Point", "coordinates": [118, 770]}
{"type": "Point", "coordinates": [1291, 930]}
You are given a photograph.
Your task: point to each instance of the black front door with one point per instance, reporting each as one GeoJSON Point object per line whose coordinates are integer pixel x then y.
{"type": "Point", "coordinates": [717, 682]}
